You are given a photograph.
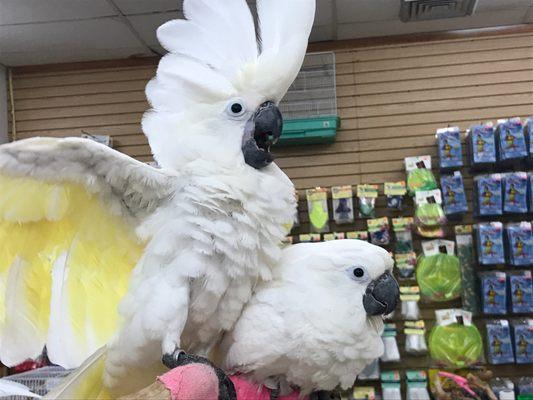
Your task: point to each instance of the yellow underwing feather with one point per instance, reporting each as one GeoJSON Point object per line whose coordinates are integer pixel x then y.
{"type": "Point", "coordinates": [60, 225]}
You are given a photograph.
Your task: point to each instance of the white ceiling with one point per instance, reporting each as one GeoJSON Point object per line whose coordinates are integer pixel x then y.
{"type": "Point", "coordinates": [54, 31]}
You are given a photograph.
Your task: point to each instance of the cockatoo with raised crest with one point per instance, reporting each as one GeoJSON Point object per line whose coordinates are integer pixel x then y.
{"type": "Point", "coordinates": [84, 227]}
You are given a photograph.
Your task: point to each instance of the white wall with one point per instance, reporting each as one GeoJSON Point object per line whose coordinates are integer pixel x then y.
{"type": "Point", "coordinates": [3, 105]}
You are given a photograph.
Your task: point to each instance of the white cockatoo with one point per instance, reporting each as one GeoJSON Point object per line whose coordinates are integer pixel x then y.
{"type": "Point", "coordinates": [318, 323]}
{"type": "Point", "coordinates": [84, 227]}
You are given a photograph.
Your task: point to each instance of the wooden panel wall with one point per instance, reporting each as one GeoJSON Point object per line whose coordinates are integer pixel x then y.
{"type": "Point", "coordinates": [391, 99]}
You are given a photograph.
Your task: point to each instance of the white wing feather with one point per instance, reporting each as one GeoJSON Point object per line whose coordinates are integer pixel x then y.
{"type": "Point", "coordinates": [9, 388]}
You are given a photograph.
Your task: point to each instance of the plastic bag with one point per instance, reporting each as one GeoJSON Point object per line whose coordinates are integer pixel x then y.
{"type": "Point", "coordinates": [439, 277]}
{"type": "Point", "coordinates": [342, 199]}
{"type": "Point", "coordinates": [419, 175]}
{"type": "Point", "coordinates": [317, 206]}
{"type": "Point", "coordinates": [379, 231]}
{"type": "Point", "coordinates": [367, 195]}
{"type": "Point", "coordinates": [456, 345]}
{"type": "Point", "coordinates": [395, 192]}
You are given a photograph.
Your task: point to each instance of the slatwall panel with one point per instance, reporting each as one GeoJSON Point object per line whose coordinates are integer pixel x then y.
{"type": "Point", "coordinates": [391, 100]}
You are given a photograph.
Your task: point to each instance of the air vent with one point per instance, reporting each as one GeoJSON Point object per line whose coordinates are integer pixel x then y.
{"type": "Point", "coordinates": [421, 10]}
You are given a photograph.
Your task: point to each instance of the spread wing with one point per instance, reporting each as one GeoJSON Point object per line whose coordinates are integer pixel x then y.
{"type": "Point", "coordinates": [68, 213]}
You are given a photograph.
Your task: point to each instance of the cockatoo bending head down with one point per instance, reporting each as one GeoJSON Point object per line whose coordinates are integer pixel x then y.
{"type": "Point", "coordinates": [222, 84]}
{"type": "Point", "coordinates": [319, 322]}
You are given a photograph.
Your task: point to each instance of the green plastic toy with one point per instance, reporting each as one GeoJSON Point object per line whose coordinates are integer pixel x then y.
{"type": "Point", "coordinates": [420, 179]}
{"type": "Point", "coordinates": [430, 214]}
{"type": "Point", "coordinates": [318, 216]}
{"type": "Point", "coordinates": [456, 345]}
{"type": "Point", "coordinates": [439, 277]}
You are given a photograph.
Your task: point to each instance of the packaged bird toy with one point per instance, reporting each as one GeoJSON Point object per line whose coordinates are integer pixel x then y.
{"type": "Point", "coordinates": [395, 192]}
{"type": "Point", "coordinates": [450, 149]}
{"type": "Point", "coordinates": [453, 193]}
{"type": "Point", "coordinates": [367, 195]}
{"type": "Point", "coordinates": [523, 341]}
{"type": "Point", "coordinates": [360, 235]}
{"type": "Point", "coordinates": [454, 341]}
{"type": "Point", "coordinates": [519, 243]}
{"type": "Point", "coordinates": [429, 214]}
{"type": "Point", "coordinates": [494, 292]}
{"type": "Point", "coordinates": [488, 195]}
{"type": "Point", "coordinates": [490, 248]}
{"type": "Point", "coordinates": [438, 271]}
{"type": "Point", "coordinates": [317, 207]}
{"type": "Point", "coordinates": [342, 199]}
{"type": "Point", "coordinates": [481, 146]}
{"type": "Point", "coordinates": [403, 231]}
{"type": "Point", "coordinates": [511, 140]}
{"type": "Point", "coordinates": [379, 231]}
{"type": "Point", "coordinates": [405, 263]}
{"type": "Point", "coordinates": [514, 186]}
{"type": "Point", "coordinates": [528, 130]}
{"type": "Point", "coordinates": [419, 175]}
{"type": "Point", "coordinates": [521, 290]}
{"type": "Point", "coordinates": [499, 343]}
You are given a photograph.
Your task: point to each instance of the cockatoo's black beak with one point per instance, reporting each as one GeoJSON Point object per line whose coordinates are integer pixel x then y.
{"type": "Point", "coordinates": [262, 130]}
{"type": "Point", "coordinates": [382, 295]}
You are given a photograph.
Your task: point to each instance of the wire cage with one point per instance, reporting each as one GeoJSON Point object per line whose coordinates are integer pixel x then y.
{"type": "Point", "coordinates": [40, 381]}
{"type": "Point", "coordinates": [314, 92]}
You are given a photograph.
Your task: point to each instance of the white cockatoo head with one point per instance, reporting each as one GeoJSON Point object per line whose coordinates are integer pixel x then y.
{"type": "Point", "coordinates": [215, 94]}
{"type": "Point", "coordinates": [319, 322]}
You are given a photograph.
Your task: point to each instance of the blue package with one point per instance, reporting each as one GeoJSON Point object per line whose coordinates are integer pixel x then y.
{"type": "Point", "coordinates": [450, 150]}
{"type": "Point", "coordinates": [519, 243]}
{"type": "Point", "coordinates": [523, 341]}
{"type": "Point", "coordinates": [482, 144]}
{"type": "Point", "coordinates": [499, 343]}
{"type": "Point", "coordinates": [490, 246]}
{"type": "Point", "coordinates": [488, 194]}
{"type": "Point", "coordinates": [511, 139]}
{"type": "Point", "coordinates": [453, 191]}
{"type": "Point", "coordinates": [528, 131]}
{"type": "Point", "coordinates": [530, 193]}
{"type": "Point", "coordinates": [521, 291]}
{"type": "Point", "coordinates": [494, 292]}
{"type": "Point", "coordinates": [514, 186]}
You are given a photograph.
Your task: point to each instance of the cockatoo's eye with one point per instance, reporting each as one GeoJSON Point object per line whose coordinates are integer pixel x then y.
{"type": "Point", "coordinates": [236, 108]}
{"type": "Point", "coordinates": [358, 273]}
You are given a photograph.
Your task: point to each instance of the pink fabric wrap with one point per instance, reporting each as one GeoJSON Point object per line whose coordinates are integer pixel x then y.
{"type": "Point", "coordinates": [199, 382]}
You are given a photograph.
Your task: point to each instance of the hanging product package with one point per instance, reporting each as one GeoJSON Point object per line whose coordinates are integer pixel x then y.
{"type": "Point", "coordinates": [514, 185]}
{"type": "Point", "coordinates": [494, 292]}
{"type": "Point", "coordinates": [327, 237]}
{"type": "Point", "coordinates": [391, 385]}
{"type": "Point", "coordinates": [481, 146]}
{"type": "Point", "coordinates": [488, 195]}
{"type": "Point", "coordinates": [511, 140]}
{"type": "Point", "coordinates": [519, 243]}
{"type": "Point", "coordinates": [523, 341]}
{"type": "Point", "coordinates": [450, 149]}
{"type": "Point", "coordinates": [415, 337]}
{"type": "Point", "coordinates": [530, 178]}
{"type": "Point", "coordinates": [453, 192]}
{"type": "Point", "coordinates": [309, 238]}
{"type": "Point", "coordinates": [395, 192]}
{"type": "Point", "coordinates": [429, 214]}
{"type": "Point", "coordinates": [379, 231]}
{"type": "Point", "coordinates": [528, 131]}
{"type": "Point", "coordinates": [391, 352]}
{"type": "Point", "coordinates": [359, 235]}
{"type": "Point", "coordinates": [342, 199]}
{"type": "Point", "coordinates": [405, 264]}
{"type": "Point", "coordinates": [417, 385]}
{"type": "Point", "coordinates": [499, 343]}
{"type": "Point", "coordinates": [367, 195]}
{"type": "Point", "coordinates": [489, 241]}
{"type": "Point", "coordinates": [296, 217]}
{"type": "Point", "coordinates": [403, 231]}
{"type": "Point", "coordinates": [469, 280]}
{"type": "Point", "coordinates": [438, 271]}
{"type": "Point", "coordinates": [419, 175]}
{"type": "Point", "coordinates": [521, 289]}
{"type": "Point", "coordinates": [454, 341]}
{"type": "Point", "coordinates": [410, 296]}
{"type": "Point", "coordinates": [317, 206]}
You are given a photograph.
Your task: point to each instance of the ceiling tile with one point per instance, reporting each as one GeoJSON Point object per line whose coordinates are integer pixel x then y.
{"type": "Point", "coordinates": [367, 10]}
{"type": "Point", "coordinates": [489, 5]}
{"type": "Point", "coordinates": [145, 7]}
{"type": "Point", "coordinates": [324, 12]}
{"type": "Point", "coordinates": [26, 11]}
{"type": "Point", "coordinates": [385, 28]}
{"type": "Point", "coordinates": [53, 56]}
{"type": "Point", "coordinates": [146, 25]}
{"type": "Point", "coordinates": [107, 33]}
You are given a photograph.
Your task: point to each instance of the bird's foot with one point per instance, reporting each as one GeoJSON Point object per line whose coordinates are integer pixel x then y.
{"type": "Point", "coordinates": [175, 359]}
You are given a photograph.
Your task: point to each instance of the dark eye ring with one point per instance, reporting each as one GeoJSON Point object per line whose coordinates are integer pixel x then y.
{"type": "Point", "coordinates": [236, 108]}
{"type": "Point", "coordinates": [358, 272]}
